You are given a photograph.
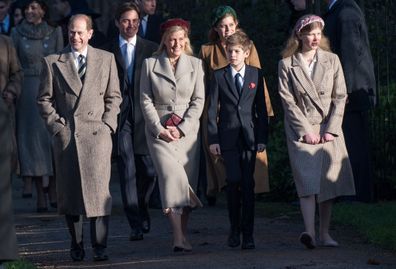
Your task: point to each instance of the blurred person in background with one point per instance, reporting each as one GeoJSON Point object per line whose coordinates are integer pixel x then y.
{"type": "Point", "coordinates": [10, 88]}
{"type": "Point", "coordinates": [348, 34]}
{"type": "Point", "coordinates": [35, 38]}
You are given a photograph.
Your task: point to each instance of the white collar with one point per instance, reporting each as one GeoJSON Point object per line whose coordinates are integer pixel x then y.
{"type": "Point", "coordinates": [332, 2]}
{"type": "Point", "coordinates": [241, 72]}
{"type": "Point", "coordinates": [123, 41]}
{"type": "Point", "coordinates": [76, 53]}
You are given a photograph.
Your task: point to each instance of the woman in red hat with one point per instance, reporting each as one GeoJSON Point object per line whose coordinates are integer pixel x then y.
{"type": "Point", "coordinates": [172, 100]}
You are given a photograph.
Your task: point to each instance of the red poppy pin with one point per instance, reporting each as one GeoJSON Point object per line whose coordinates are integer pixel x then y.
{"type": "Point", "coordinates": [252, 85]}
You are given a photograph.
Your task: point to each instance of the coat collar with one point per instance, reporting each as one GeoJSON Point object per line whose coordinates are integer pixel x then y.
{"type": "Point", "coordinates": [230, 81]}
{"type": "Point", "coordinates": [246, 81]}
{"type": "Point", "coordinates": [163, 67]}
{"type": "Point", "coordinates": [311, 85]}
{"type": "Point", "coordinates": [69, 71]}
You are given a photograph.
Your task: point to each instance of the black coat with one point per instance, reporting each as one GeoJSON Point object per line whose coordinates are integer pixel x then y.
{"type": "Point", "coordinates": [130, 107]}
{"type": "Point", "coordinates": [230, 114]}
{"type": "Point", "coordinates": [153, 32]}
{"type": "Point", "coordinates": [346, 28]}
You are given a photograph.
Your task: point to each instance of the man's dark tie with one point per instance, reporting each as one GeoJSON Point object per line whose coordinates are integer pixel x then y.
{"type": "Point", "coordinates": [238, 83]}
{"type": "Point", "coordinates": [82, 67]}
{"type": "Point", "coordinates": [2, 28]}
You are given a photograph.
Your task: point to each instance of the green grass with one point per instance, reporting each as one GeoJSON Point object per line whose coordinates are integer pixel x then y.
{"type": "Point", "coordinates": [377, 222]}
{"type": "Point", "coordinates": [275, 209]}
{"type": "Point", "coordinates": [21, 264]}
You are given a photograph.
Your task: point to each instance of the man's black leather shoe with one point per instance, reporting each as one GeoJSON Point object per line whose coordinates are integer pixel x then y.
{"type": "Point", "coordinates": [146, 225]}
{"type": "Point", "coordinates": [248, 242]}
{"type": "Point", "coordinates": [211, 200]}
{"type": "Point", "coordinates": [136, 235]}
{"type": "Point", "coordinates": [100, 255]}
{"type": "Point", "coordinates": [77, 253]}
{"type": "Point", "coordinates": [234, 239]}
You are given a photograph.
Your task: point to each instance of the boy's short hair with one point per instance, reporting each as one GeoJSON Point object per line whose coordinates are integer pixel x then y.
{"type": "Point", "coordinates": [239, 38]}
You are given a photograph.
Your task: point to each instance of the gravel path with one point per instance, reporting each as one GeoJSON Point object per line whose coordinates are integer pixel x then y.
{"type": "Point", "coordinates": [43, 239]}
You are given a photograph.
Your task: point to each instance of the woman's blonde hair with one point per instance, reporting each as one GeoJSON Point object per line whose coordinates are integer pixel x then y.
{"type": "Point", "coordinates": [187, 49]}
{"type": "Point", "coordinates": [294, 44]}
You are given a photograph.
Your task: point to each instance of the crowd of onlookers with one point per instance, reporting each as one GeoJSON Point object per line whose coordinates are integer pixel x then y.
{"type": "Point", "coordinates": [74, 99]}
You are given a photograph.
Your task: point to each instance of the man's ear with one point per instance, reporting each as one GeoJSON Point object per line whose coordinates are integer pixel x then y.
{"type": "Point", "coordinates": [90, 33]}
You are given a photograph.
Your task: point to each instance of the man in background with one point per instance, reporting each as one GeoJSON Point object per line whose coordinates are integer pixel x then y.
{"type": "Point", "coordinates": [6, 21]}
{"type": "Point", "coordinates": [136, 169]}
{"type": "Point", "coordinates": [346, 28]}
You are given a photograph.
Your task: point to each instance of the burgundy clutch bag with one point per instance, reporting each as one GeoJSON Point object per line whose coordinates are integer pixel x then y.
{"type": "Point", "coordinates": [174, 120]}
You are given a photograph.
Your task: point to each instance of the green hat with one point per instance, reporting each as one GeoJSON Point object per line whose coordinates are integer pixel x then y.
{"type": "Point", "coordinates": [220, 12]}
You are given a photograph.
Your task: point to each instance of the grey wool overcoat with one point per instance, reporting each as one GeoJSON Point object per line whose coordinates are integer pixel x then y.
{"type": "Point", "coordinates": [182, 93]}
{"type": "Point", "coordinates": [81, 118]}
{"type": "Point", "coordinates": [316, 106]}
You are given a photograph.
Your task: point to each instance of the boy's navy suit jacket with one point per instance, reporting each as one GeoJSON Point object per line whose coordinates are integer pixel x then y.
{"type": "Point", "coordinates": [232, 116]}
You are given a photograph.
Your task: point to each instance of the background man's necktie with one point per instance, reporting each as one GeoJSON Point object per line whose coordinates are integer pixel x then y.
{"type": "Point", "coordinates": [128, 55]}
{"type": "Point", "coordinates": [2, 28]}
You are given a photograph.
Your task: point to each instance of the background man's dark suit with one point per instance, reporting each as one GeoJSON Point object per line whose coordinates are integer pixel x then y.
{"type": "Point", "coordinates": [153, 32]}
{"type": "Point", "coordinates": [242, 124]}
{"type": "Point", "coordinates": [346, 28]}
{"type": "Point", "coordinates": [137, 174]}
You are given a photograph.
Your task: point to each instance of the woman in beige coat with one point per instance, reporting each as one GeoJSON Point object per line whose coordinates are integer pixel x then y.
{"type": "Point", "coordinates": [172, 88]}
{"type": "Point", "coordinates": [224, 24]}
{"type": "Point", "coordinates": [313, 93]}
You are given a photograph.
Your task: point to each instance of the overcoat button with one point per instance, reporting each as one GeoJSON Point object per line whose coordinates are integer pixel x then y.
{"type": "Point", "coordinates": [90, 113]}
{"type": "Point", "coordinates": [95, 133]}
{"type": "Point", "coordinates": [169, 108]}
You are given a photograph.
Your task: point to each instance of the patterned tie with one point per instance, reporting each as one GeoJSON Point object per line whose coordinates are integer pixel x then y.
{"type": "Point", "coordinates": [238, 83]}
{"type": "Point", "coordinates": [82, 67]}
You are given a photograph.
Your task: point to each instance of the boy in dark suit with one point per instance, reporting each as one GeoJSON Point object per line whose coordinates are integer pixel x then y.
{"type": "Point", "coordinates": [237, 129]}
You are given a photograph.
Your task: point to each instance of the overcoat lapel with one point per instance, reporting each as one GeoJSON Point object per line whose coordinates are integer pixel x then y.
{"type": "Point", "coordinates": [94, 64]}
{"type": "Point", "coordinates": [183, 67]}
{"type": "Point", "coordinates": [301, 74]}
{"type": "Point", "coordinates": [120, 61]}
{"type": "Point", "coordinates": [68, 70]}
{"type": "Point", "coordinates": [162, 68]}
{"type": "Point", "coordinates": [231, 84]}
{"type": "Point", "coordinates": [320, 69]}
{"type": "Point", "coordinates": [246, 81]}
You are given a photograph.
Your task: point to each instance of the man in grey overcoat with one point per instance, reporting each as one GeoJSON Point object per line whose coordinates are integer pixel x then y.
{"type": "Point", "coordinates": [10, 88]}
{"type": "Point", "coordinates": [79, 101]}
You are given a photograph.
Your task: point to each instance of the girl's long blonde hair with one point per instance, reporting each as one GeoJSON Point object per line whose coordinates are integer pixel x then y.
{"type": "Point", "coordinates": [294, 44]}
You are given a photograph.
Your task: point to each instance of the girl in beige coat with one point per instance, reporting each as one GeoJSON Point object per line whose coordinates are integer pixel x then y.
{"type": "Point", "coordinates": [172, 84]}
{"type": "Point", "coordinates": [313, 93]}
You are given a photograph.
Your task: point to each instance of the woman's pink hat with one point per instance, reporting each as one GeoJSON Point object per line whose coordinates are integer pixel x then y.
{"type": "Point", "coordinates": [306, 20]}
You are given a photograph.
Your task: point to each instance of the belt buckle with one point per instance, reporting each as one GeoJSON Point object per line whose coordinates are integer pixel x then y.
{"type": "Point", "coordinates": [169, 108]}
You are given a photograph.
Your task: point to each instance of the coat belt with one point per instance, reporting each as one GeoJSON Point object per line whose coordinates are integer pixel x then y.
{"type": "Point", "coordinates": [171, 107]}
